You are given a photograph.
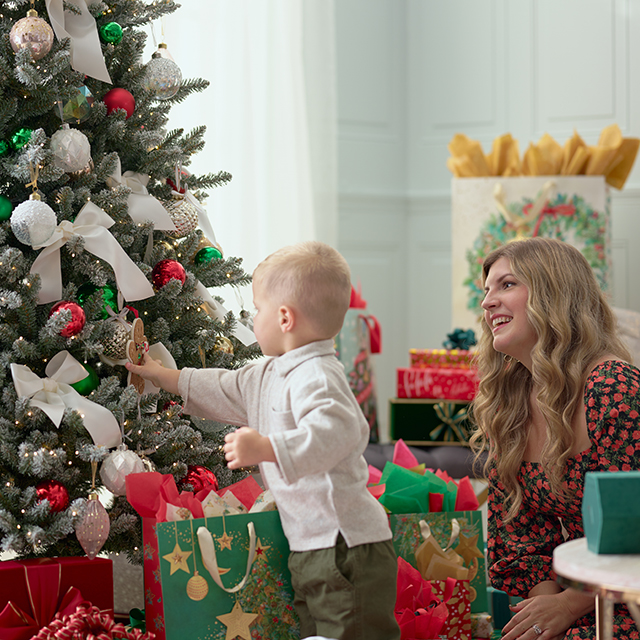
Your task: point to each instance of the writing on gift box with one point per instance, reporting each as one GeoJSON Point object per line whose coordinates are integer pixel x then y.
{"type": "Point", "coordinates": [437, 383]}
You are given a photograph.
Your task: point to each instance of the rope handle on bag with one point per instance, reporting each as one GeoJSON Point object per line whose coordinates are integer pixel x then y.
{"type": "Point", "coordinates": [375, 332]}
{"type": "Point", "coordinates": [208, 551]}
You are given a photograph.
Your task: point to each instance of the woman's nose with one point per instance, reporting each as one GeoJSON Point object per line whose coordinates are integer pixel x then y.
{"type": "Point", "coordinates": [489, 301]}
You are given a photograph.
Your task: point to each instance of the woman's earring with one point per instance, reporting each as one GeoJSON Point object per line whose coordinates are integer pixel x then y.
{"type": "Point", "coordinates": [507, 358]}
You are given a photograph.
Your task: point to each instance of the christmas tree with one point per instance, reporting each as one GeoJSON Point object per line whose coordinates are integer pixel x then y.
{"type": "Point", "coordinates": [105, 251]}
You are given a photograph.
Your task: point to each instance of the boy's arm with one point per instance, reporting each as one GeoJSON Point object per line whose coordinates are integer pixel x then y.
{"type": "Point", "coordinates": [153, 371]}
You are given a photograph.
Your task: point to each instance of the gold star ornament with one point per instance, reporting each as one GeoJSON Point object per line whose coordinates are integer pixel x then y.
{"type": "Point", "coordinates": [468, 548]}
{"type": "Point", "coordinates": [237, 623]}
{"type": "Point", "coordinates": [225, 541]}
{"type": "Point", "coordinates": [178, 559]}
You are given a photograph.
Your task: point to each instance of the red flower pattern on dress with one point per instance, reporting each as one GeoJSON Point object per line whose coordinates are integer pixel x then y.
{"type": "Point", "coordinates": [520, 552]}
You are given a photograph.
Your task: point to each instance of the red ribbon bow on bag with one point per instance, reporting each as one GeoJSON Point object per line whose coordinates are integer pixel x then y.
{"type": "Point", "coordinates": [43, 586]}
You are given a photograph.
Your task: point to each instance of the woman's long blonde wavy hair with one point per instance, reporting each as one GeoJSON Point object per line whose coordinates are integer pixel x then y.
{"type": "Point", "coordinates": [575, 327]}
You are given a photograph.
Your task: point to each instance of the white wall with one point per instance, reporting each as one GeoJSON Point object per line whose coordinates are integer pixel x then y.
{"type": "Point", "coordinates": [411, 74]}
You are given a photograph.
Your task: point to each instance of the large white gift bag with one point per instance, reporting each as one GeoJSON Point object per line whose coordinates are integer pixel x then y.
{"type": "Point", "coordinates": [488, 212]}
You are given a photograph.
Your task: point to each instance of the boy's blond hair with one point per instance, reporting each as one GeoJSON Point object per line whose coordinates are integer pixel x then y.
{"type": "Point", "coordinates": [311, 277]}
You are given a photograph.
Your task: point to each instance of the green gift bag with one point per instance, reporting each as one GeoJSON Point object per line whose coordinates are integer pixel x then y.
{"type": "Point", "coordinates": [469, 544]}
{"type": "Point", "coordinates": [226, 577]}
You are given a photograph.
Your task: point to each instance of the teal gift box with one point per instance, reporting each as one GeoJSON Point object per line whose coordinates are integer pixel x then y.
{"type": "Point", "coordinates": [611, 511]}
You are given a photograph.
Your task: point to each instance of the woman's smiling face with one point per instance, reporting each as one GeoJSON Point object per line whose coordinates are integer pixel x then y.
{"type": "Point", "coordinates": [505, 312]}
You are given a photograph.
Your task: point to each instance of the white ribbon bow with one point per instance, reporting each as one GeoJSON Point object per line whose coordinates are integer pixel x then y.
{"type": "Point", "coordinates": [86, 52]}
{"type": "Point", "coordinates": [244, 334]}
{"type": "Point", "coordinates": [142, 205]}
{"type": "Point", "coordinates": [53, 394]}
{"type": "Point", "coordinates": [92, 223]}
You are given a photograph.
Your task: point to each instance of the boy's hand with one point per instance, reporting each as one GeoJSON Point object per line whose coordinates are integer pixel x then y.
{"type": "Point", "coordinates": [245, 447]}
{"type": "Point", "coordinates": [153, 371]}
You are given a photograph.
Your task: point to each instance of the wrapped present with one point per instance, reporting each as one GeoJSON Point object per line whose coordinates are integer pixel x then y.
{"type": "Point", "coordinates": [481, 625]}
{"type": "Point", "coordinates": [437, 383]}
{"type": "Point", "coordinates": [419, 421]}
{"type": "Point", "coordinates": [359, 338]}
{"type": "Point", "coordinates": [36, 590]}
{"type": "Point", "coordinates": [440, 358]}
{"type": "Point", "coordinates": [611, 511]}
{"type": "Point", "coordinates": [212, 576]}
{"type": "Point", "coordinates": [457, 626]}
{"type": "Point", "coordinates": [443, 554]}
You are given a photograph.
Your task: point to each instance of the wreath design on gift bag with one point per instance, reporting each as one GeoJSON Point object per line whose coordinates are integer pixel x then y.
{"type": "Point", "coordinates": [569, 219]}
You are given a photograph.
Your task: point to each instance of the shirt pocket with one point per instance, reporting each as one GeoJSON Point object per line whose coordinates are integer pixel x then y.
{"type": "Point", "coordinates": [281, 420]}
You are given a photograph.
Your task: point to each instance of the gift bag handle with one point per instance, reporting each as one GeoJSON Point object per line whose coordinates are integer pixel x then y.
{"type": "Point", "coordinates": [208, 551]}
{"type": "Point", "coordinates": [425, 532]}
{"type": "Point", "coordinates": [375, 333]}
{"type": "Point", "coordinates": [535, 211]}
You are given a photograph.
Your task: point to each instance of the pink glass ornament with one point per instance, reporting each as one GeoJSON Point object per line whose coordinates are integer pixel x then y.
{"type": "Point", "coordinates": [93, 529]}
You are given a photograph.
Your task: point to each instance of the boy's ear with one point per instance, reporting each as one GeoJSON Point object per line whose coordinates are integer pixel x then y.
{"type": "Point", "coordinates": [286, 318]}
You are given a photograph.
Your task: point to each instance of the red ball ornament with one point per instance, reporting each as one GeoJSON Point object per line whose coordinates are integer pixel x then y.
{"type": "Point", "coordinates": [119, 99]}
{"type": "Point", "coordinates": [78, 319]}
{"type": "Point", "coordinates": [167, 270]}
{"type": "Point", "coordinates": [199, 478]}
{"type": "Point", "coordinates": [55, 492]}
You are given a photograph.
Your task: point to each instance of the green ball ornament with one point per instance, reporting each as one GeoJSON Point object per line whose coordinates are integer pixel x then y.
{"type": "Point", "coordinates": [206, 255]}
{"type": "Point", "coordinates": [20, 138]}
{"type": "Point", "coordinates": [111, 32]}
{"type": "Point", "coordinates": [4, 148]}
{"type": "Point", "coordinates": [5, 208]}
{"type": "Point", "coordinates": [90, 383]}
{"type": "Point", "coordinates": [109, 295]}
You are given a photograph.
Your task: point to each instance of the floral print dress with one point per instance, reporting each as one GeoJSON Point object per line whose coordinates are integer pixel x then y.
{"type": "Point", "coordinates": [520, 553]}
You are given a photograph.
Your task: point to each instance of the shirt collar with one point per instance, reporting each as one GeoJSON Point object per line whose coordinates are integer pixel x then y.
{"type": "Point", "coordinates": [290, 360]}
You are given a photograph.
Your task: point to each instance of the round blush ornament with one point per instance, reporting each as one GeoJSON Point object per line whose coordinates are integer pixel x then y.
{"type": "Point", "coordinates": [55, 492]}
{"type": "Point", "coordinates": [32, 33]}
{"type": "Point", "coordinates": [71, 149]}
{"type": "Point", "coordinates": [199, 478]}
{"type": "Point", "coordinates": [33, 221]}
{"type": "Point", "coordinates": [118, 98]}
{"type": "Point", "coordinates": [78, 318]}
{"type": "Point", "coordinates": [117, 466]}
{"type": "Point", "coordinates": [167, 270]}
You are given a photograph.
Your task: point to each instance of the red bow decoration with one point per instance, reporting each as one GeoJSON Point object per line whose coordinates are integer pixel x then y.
{"type": "Point", "coordinates": [558, 210]}
{"type": "Point", "coordinates": [356, 301]}
{"type": "Point", "coordinates": [43, 586]}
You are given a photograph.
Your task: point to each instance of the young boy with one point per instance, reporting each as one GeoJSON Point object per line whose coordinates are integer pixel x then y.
{"type": "Point", "coordinates": [307, 433]}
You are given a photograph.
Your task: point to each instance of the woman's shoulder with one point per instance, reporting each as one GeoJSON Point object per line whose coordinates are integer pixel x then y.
{"type": "Point", "coordinates": [611, 373]}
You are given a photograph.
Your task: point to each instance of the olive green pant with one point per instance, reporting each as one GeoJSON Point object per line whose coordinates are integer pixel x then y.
{"type": "Point", "coordinates": [346, 594]}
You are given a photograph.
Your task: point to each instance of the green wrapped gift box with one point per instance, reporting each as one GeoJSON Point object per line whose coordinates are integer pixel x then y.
{"type": "Point", "coordinates": [611, 511]}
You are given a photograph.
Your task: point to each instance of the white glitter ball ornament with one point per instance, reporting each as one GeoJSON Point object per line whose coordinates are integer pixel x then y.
{"type": "Point", "coordinates": [32, 33]}
{"type": "Point", "coordinates": [71, 149]}
{"type": "Point", "coordinates": [162, 78]}
{"type": "Point", "coordinates": [117, 466]}
{"type": "Point", "coordinates": [33, 221]}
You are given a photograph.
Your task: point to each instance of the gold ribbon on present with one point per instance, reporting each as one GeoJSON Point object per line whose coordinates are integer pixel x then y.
{"type": "Point", "coordinates": [451, 424]}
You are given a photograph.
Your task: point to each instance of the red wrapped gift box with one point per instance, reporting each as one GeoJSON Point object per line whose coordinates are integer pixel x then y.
{"type": "Point", "coordinates": [444, 358]}
{"type": "Point", "coordinates": [33, 591]}
{"type": "Point", "coordinates": [437, 383]}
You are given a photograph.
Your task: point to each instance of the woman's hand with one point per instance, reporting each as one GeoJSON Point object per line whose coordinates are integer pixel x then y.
{"type": "Point", "coordinates": [552, 614]}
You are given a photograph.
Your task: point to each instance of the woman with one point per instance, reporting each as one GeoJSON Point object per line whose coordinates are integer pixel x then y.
{"type": "Point", "coordinates": [557, 398]}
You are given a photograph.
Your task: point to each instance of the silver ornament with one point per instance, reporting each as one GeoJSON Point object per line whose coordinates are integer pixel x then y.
{"type": "Point", "coordinates": [117, 466]}
{"type": "Point", "coordinates": [115, 344]}
{"type": "Point", "coordinates": [162, 78]}
{"type": "Point", "coordinates": [183, 214]}
{"type": "Point", "coordinates": [33, 221]}
{"type": "Point", "coordinates": [71, 149]}
{"type": "Point", "coordinates": [32, 33]}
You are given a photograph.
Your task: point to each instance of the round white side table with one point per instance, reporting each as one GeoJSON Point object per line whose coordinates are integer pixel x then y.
{"type": "Point", "coordinates": [611, 578]}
